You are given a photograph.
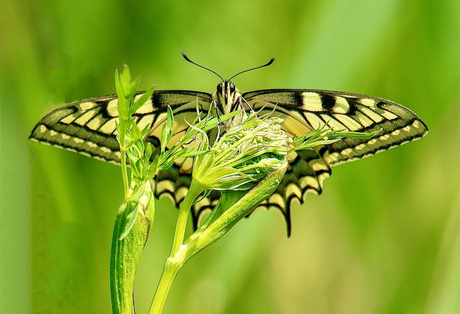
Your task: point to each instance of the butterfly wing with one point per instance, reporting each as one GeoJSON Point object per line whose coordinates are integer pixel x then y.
{"type": "Point", "coordinates": [88, 126]}
{"type": "Point", "coordinates": [307, 110]}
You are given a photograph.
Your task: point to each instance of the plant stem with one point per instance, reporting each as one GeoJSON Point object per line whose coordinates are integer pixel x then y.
{"type": "Point", "coordinates": [125, 253]}
{"type": "Point", "coordinates": [243, 203]}
{"type": "Point", "coordinates": [124, 171]}
{"type": "Point", "coordinates": [177, 258]}
{"type": "Point", "coordinates": [184, 211]}
{"type": "Point", "coordinates": [241, 207]}
{"type": "Point", "coordinates": [169, 273]}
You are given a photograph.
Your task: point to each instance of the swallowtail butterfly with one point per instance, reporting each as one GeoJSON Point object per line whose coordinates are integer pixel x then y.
{"type": "Point", "coordinates": [88, 127]}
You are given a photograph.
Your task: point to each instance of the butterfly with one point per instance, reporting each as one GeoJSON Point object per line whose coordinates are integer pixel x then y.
{"type": "Point", "coordinates": [88, 127]}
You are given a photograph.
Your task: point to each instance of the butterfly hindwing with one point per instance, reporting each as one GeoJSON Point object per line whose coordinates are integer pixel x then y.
{"type": "Point", "coordinates": [306, 173]}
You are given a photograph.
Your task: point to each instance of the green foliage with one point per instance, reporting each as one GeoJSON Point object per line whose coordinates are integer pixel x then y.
{"type": "Point", "coordinates": [323, 136]}
{"type": "Point", "coordinates": [136, 214]}
{"type": "Point", "coordinates": [252, 154]}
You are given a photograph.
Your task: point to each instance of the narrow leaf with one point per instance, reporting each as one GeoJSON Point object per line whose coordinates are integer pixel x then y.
{"type": "Point", "coordinates": [166, 132]}
{"type": "Point", "coordinates": [141, 100]}
{"type": "Point", "coordinates": [130, 220]}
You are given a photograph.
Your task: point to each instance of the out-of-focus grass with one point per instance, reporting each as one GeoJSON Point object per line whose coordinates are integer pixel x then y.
{"type": "Point", "coordinates": [383, 237]}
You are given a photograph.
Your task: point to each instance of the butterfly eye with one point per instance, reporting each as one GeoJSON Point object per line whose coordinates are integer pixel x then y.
{"type": "Point", "coordinates": [219, 88]}
{"type": "Point", "coordinates": [232, 88]}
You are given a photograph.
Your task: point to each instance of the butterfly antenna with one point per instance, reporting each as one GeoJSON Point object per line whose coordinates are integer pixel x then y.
{"type": "Point", "coordinates": [261, 66]}
{"type": "Point", "coordinates": [198, 65]}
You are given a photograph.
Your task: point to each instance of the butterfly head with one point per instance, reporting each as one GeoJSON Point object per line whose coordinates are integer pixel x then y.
{"type": "Point", "coordinates": [226, 97]}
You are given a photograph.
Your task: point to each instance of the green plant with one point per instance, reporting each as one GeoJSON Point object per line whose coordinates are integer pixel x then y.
{"type": "Point", "coordinates": [246, 163]}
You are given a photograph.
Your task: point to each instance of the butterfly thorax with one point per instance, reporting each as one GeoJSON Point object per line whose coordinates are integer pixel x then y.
{"type": "Point", "coordinates": [227, 98]}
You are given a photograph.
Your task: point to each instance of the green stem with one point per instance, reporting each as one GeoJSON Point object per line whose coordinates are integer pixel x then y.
{"type": "Point", "coordinates": [262, 190]}
{"type": "Point", "coordinates": [242, 205]}
{"type": "Point", "coordinates": [227, 198]}
{"type": "Point", "coordinates": [169, 273]}
{"type": "Point", "coordinates": [124, 171]}
{"type": "Point", "coordinates": [177, 258]}
{"type": "Point", "coordinates": [125, 254]}
{"type": "Point", "coordinates": [184, 211]}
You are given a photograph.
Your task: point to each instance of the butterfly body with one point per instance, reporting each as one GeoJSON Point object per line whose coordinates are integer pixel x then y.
{"type": "Point", "coordinates": [88, 127]}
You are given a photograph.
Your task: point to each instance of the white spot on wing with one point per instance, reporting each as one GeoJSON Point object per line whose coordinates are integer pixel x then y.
{"type": "Point", "coordinates": [363, 119]}
{"type": "Point", "coordinates": [346, 152]}
{"type": "Point", "coordinates": [388, 115]}
{"type": "Point", "coordinates": [348, 122]}
{"type": "Point", "coordinates": [314, 120]}
{"type": "Point", "coordinates": [146, 120]}
{"type": "Point", "coordinates": [371, 114]}
{"type": "Point", "coordinates": [395, 133]}
{"type": "Point", "coordinates": [86, 105]}
{"type": "Point", "coordinates": [69, 119]}
{"type": "Point", "coordinates": [105, 150]}
{"type": "Point", "coordinates": [180, 194]}
{"type": "Point", "coordinates": [308, 181]}
{"type": "Point", "coordinates": [317, 165]}
{"type": "Point", "coordinates": [95, 123]}
{"type": "Point", "coordinates": [341, 105]}
{"type": "Point", "coordinates": [165, 185]}
{"type": "Point", "coordinates": [333, 123]}
{"type": "Point", "coordinates": [41, 129]}
{"type": "Point", "coordinates": [368, 102]}
{"type": "Point", "coordinates": [85, 117]}
{"type": "Point", "coordinates": [109, 127]}
{"type": "Point", "coordinates": [112, 109]}
{"type": "Point", "coordinates": [77, 140]}
{"type": "Point", "coordinates": [147, 107]}
{"type": "Point", "coordinates": [293, 189]}
{"type": "Point", "coordinates": [312, 101]}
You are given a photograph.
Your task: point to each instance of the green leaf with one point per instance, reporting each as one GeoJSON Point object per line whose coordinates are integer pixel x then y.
{"type": "Point", "coordinates": [153, 168]}
{"type": "Point", "coordinates": [188, 152]}
{"type": "Point", "coordinates": [145, 131]}
{"type": "Point", "coordinates": [351, 134]}
{"type": "Point", "coordinates": [166, 132]}
{"type": "Point", "coordinates": [136, 133]}
{"type": "Point", "coordinates": [141, 101]}
{"type": "Point", "coordinates": [123, 105]}
{"type": "Point", "coordinates": [167, 164]}
{"type": "Point", "coordinates": [130, 220]}
{"type": "Point", "coordinates": [212, 123]}
{"type": "Point", "coordinates": [148, 150]}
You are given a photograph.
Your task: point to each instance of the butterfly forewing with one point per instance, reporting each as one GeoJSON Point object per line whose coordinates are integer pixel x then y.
{"type": "Point", "coordinates": [86, 127]}
{"type": "Point", "coordinates": [305, 110]}
{"type": "Point", "coordinates": [89, 126]}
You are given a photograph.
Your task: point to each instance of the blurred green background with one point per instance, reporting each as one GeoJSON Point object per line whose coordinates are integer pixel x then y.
{"type": "Point", "coordinates": [383, 237]}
